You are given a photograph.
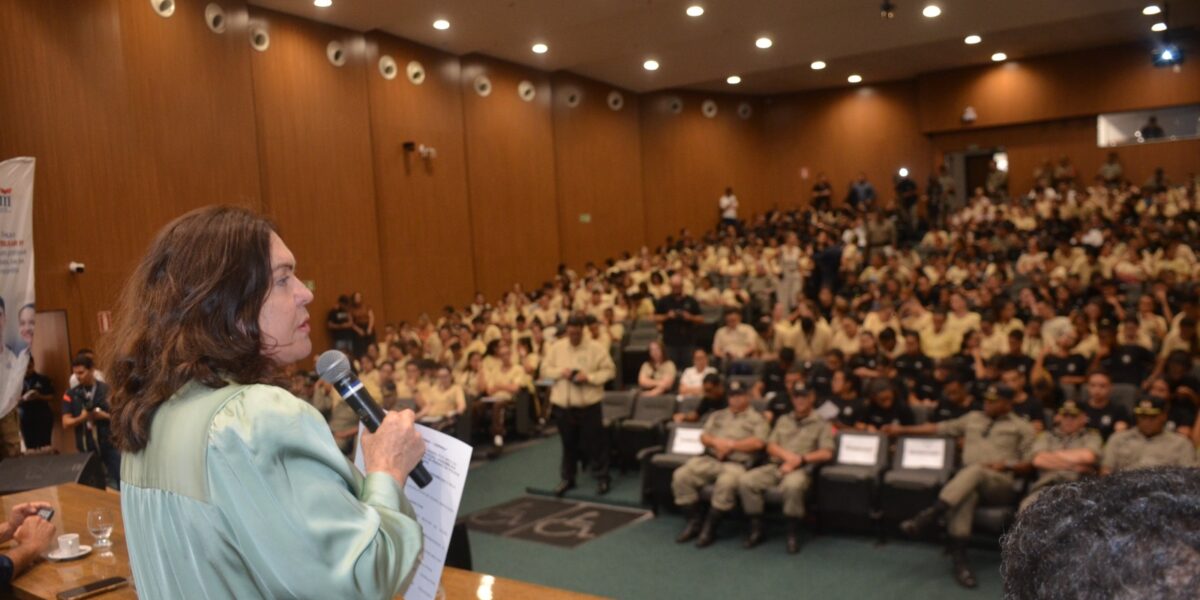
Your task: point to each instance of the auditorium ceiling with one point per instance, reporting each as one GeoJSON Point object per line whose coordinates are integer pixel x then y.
{"type": "Point", "coordinates": [609, 40]}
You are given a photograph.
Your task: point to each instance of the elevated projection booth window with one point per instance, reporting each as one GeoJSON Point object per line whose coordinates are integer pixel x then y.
{"type": "Point", "coordinates": [1148, 126]}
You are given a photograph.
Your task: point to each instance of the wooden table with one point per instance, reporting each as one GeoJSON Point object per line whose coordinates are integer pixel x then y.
{"type": "Point", "coordinates": [73, 501]}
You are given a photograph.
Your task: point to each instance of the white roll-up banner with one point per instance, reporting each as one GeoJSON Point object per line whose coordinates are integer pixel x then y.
{"type": "Point", "coordinates": [16, 277]}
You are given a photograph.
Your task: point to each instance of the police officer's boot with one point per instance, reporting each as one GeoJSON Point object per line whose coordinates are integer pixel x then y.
{"type": "Point", "coordinates": [793, 535]}
{"type": "Point", "coordinates": [919, 525]}
{"type": "Point", "coordinates": [709, 533]}
{"type": "Point", "coordinates": [755, 537]}
{"type": "Point", "coordinates": [695, 516]}
{"type": "Point", "coordinates": [962, 571]}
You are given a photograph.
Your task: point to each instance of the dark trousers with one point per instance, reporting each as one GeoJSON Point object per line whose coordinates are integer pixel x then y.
{"type": "Point", "coordinates": [680, 354]}
{"type": "Point", "coordinates": [583, 436]}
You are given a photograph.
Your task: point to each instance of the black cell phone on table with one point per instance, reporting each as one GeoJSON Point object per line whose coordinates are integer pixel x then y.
{"type": "Point", "coordinates": [46, 513]}
{"type": "Point", "coordinates": [93, 589]}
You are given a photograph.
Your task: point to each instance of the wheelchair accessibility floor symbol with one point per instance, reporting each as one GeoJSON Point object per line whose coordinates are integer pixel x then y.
{"type": "Point", "coordinates": [560, 523]}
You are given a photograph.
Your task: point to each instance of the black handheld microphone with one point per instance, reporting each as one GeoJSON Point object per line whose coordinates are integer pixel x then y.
{"type": "Point", "coordinates": [334, 368]}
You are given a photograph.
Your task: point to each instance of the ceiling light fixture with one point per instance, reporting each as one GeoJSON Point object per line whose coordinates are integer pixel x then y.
{"type": "Point", "coordinates": [999, 57]}
{"type": "Point", "coordinates": [441, 24]}
{"type": "Point", "coordinates": [540, 48]}
{"type": "Point", "coordinates": [855, 78]}
{"type": "Point", "coordinates": [903, 171]}
{"type": "Point", "coordinates": [322, 3]}
{"type": "Point", "coordinates": [650, 65]}
{"type": "Point", "coordinates": [733, 80]}
{"type": "Point", "coordinates": [931, 11]}
{"type": "Point", "coordinates": [764, 42]}
{"type": "Point", "coordinates": [972, 39]}
{"type": "Point", "coordinates": [887, 10]}
{"type": "Point", "coordinates": [1151, 10]}
{"type": "Point", "coordinates": [695, 10]}
{"type": "Point", "coordinates": [817, 65]}
{"type": "Point", "coordinates": [1159, 26]}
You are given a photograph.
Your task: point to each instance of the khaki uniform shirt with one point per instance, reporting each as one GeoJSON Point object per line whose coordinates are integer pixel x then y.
{"type": "Point", "coordinates": [1130, 449]}
{"type": "Point", "coordinates": [665, 370]}
{"type": "Point", "coordinates": [1051, 441]}
{"type": "Point", "coordinates": [801, 436]}
{"type": "Point", "coordinates": [746, 424]}
{"type": "Point", "coordinates": [1007, 438]}
{"type": "Point", "coordinates": [514, 375]}
{"type": "Point", "coordinates": [741, 341]}
{"type": "Point", "coordinates": [588, 357]}
{"type": "Point", "coordinates": [441, 402]}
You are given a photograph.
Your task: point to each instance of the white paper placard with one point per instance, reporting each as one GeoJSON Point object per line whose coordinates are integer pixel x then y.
{"type": "Point", "coordinates": [858, 449]}
{"type": "Point", "coordinates": [687, 441]}
{"type": "Point", "coordinates": [929, 453]}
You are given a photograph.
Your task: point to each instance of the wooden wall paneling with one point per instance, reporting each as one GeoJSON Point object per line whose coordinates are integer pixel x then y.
{"type": "Point", "coordinates": [1088, 82]}
{"type": "Point", "coordinates": [510, 171]}
{"type": "Point", "coordinates": [842, 132]}
{"type": "Point", "coordinates": [314, 146]}
{"type": "Point", "coordinates": [598, 162]}
{"type": "Point", "coordinates": [688, 159]}
{"type": "Point", "coordinates": [423, 205]}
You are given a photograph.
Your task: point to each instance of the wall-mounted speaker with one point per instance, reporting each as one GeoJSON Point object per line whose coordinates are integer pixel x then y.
{"type": "Point", "coordinates": [387, 67]}
{"type": "Point", "coordinates": [164, 8]}
{"type": "Point", "coordinates": [675, 105]}
{"type": "Point", "coordinates": [745, 110]}
{"type": "Point", "coordinates": [214, 17]}
{"type": "Point", "coordinates": [709, 108]}
{"type": "Point", "coordinates": [526, 90]}
{"type": "Point", "coordinates": [483, 86]}
{"type": "Point", "coordinates": [259, 39]}
{"type": "Point", "coordinates": [573, 97]}
{"type": "Point", "coordinates": [416, 73]}
{"type": "Point", "coordinates": [615, 100]}
{"type": "Point", "coordinates": [335, 53]}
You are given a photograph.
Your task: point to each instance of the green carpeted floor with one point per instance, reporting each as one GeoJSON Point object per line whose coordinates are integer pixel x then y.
{"type": "Point", "coordinates": [643, 561]}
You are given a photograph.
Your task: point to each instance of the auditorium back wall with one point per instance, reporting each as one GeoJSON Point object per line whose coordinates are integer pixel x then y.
{"type": "Point", "coordinates": [135, 119]}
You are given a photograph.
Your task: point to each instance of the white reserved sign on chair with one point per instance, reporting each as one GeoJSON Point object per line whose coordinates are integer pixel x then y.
{"type": "Point", "coordinates": [921, 453]}
{"type": "Point", "coordinates": [687, 441]}
{"type": "Point", "coordinates": [858, 449]}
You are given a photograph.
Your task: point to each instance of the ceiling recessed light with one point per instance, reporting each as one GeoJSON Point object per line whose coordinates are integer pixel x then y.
{"type": "Point", "coordinates": [999, 56]}
{"type": "Point", "coordinates": [972, 39]}
{"type": "Point", "coordinates": [903, 171]}
{"type": "Point", "coordinates": [441, 24]}
{"type": "Point", "coordinates": [1159, 26]}
{"type": "Point", "coordinates": [540, 48]}
{"type": "Point", "coordinates": [763, 42]}
{"type": "Point", "coordinates": [1151, 10]}
{"type": "Point", "coordinates": [695, 10]}
{"type": "Point", "coordinates": [817, 65]}
{"type": "Point", "coordinates": [931, 11]}
{"type": "Point", "coordinates": [650, 65]}
{"type": "Point", "coordinates": [322, 3]}
{"type": "Point", "coordinates": [856, 78]}
{"type": "Point", "coordinates": [733, 80]}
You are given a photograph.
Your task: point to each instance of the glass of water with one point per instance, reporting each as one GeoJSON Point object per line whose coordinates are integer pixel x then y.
{"type": "Point", "coordinates": [100, 523]}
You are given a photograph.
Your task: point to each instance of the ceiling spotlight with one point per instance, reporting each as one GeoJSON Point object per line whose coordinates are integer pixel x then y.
{"type": "Point", "coordinates": [763, 42]}
{"type": "Point", "coordinates": [999, 57]}
{"type": "Point", "coordinates": [1159, 26]}
{"type": "Point", "coordinates": [856, 78]}
{"type": "Point", "coordinates": [695, 10]}
{"type": "Point", "coordinates": [733, 80]}
{"type": "Point", "coordinates": [887, 10]}
{"type": "Point", "coordinates": [540, 48]}
{"type": "Point", "coordinates": [903, 171]}
{"type": "Point", "coordinates": [322, 3]}
{"type": "Point", "coordinates": [441, 24]}
{"type": "Point", "coordinates": [650, 65]}
{"type": "Point", "coordinates": [1151, 10]}
{"type": "Point", "coordinates": [931, 11]}
{"type": "Point", "coordinates": [972, 39]}
{"type": "Point", "coordinates": [817, 65]}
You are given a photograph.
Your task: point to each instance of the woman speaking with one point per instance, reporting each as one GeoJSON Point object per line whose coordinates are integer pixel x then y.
{"type": "Point", "coordinates": [233, 487]}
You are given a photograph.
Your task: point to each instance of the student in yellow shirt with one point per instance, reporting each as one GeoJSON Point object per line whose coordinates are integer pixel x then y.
{"type": "Point", "coordinates": [442, 402]}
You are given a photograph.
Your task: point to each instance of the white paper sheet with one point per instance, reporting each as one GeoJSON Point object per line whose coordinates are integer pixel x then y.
{"type": "Point", "coordinates": [858, 449]}
{"type": "Point", "coordinates": [447, 460]}
{"type": "Point", "coordinates": [687, 441]}
{"type": "Point", "coordinates": [923, 453]}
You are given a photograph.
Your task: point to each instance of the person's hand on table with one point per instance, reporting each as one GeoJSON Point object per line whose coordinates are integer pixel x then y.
{"type": "Point", "coordinates": [36, 534]}
{"type": "Point", "coordinates": [22, 511]}
{"type": "Point", "coordinates": [395, 448]}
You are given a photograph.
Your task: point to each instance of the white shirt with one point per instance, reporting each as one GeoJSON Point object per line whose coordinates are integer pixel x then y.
{"type": "Point", "coordinates": [729, 205]}
{"type": "Point", "coordinates": [692, 378]}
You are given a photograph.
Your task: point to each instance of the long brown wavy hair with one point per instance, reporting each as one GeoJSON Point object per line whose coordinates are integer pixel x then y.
{"type": "Point", "coordinates": [188, 313]}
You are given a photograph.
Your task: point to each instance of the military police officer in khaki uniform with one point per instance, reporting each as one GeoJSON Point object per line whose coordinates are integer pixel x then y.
{"type": "Point", "coordinates": [732, 438]}
{"type": "Point", "coordinates": [1148, 444]}
{"type": "Point", "coordinates": [996, 446]}
{"type": "Point", "coordinates": [799, 439]}
{"type": "Point", "coordinates": [1066, 453]}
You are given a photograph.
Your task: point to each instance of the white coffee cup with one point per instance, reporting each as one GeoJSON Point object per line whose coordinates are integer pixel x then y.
{"type": "Point", "coordinates": [68, 544]}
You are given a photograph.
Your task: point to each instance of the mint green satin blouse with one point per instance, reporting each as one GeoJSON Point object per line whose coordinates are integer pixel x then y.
{"type": "Point", "coordinates": [242, 493]}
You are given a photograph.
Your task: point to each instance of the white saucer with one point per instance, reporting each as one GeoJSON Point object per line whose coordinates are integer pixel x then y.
{"type": "Point", "coordinates": [57, 553]}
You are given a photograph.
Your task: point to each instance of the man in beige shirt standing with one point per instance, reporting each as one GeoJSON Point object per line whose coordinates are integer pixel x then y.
{"type": "Point", "coordinates": [580, 368]}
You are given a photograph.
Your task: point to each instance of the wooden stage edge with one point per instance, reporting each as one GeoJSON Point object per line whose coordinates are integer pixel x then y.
{"type": "Point", "coordinates": [72, 502]}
